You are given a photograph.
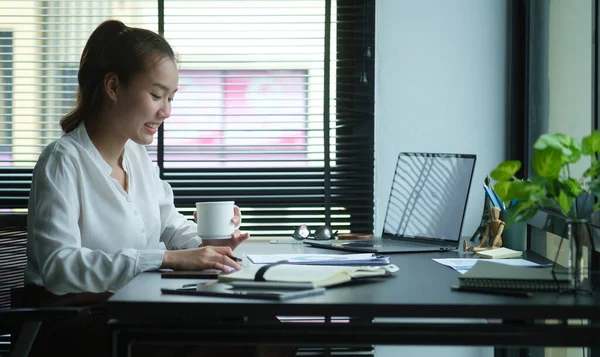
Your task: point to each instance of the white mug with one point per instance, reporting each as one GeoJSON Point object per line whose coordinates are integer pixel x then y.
{"type": "Point", "coordinates": [214, 219]}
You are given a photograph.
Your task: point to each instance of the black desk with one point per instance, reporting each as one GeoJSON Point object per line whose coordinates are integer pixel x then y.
{"type": "Point", "coordinates": [421, 289]}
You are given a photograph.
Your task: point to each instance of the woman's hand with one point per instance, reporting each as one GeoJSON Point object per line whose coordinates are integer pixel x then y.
{"type": "Point", "coordinates": [200, 259]}
{"type": "Point", "coordinates": [237, 237]}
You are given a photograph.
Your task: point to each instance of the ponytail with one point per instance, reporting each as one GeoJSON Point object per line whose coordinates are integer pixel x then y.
{"type": "Point", "coordinates": [113, 47]}
{"type": "Point", "coordinates": [72, 120]}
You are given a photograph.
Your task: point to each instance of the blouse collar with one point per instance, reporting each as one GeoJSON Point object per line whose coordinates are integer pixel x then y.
{"type": "Point", "coordinates": [82, 137]}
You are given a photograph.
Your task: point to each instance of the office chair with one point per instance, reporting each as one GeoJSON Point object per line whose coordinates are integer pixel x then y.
{"type": "Point", "coordinates": [19, 325]}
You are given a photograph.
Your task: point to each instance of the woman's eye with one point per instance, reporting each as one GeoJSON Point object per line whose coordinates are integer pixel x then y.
{"type": "Point", "coordinates": [155, 96]}
{"type": "Point", "coordinates": [171, 99]}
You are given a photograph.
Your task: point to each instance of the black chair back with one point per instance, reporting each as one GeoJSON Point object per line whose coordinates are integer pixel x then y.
{"type": "Point", "coordinates": [13, 239]}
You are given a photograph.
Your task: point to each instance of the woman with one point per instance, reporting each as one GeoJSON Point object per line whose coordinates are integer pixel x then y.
{"type": "Point", "coordinates": [98, 212]}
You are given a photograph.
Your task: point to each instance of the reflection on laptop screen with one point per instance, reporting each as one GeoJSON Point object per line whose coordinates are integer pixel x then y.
{"type": "Point", "coordinates": [429, 195]}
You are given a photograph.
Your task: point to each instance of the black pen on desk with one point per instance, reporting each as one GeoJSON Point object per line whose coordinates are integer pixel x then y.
{"type": "Point", "coordinates": [506, 292]}
{"type": "Point", "coordinates": [235, 259]}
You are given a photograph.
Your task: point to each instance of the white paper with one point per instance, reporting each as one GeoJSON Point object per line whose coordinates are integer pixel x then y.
{"type": "Point", "coordinates": [462, 265]}
{"type": "Point", "coordinates": [331, 259]}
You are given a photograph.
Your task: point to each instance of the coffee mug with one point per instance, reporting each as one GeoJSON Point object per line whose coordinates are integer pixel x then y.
{"type": "Point", "coordinates": [214, 219]}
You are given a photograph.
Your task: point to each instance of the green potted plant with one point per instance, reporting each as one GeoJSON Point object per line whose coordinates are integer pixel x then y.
{"type": "Point", "coordinates": [552, 186]}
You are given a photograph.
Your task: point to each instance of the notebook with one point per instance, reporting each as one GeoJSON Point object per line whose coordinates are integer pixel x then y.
{"type": "Point", "coordinates": [247, 290]}
{"type": "Point", "coordinates": [315, 276]}
{"type": "Point", "coordinates": [426, 207]}
{"type": "Point", "coordinates": [488, 274]}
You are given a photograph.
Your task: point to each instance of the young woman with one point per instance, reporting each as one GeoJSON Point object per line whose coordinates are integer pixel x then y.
{"type": "Point", "coordinates": [98, 212]}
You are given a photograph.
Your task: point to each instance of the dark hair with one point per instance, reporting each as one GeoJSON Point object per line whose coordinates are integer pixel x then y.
{"type": "Point", "coordinates": [115, 48]}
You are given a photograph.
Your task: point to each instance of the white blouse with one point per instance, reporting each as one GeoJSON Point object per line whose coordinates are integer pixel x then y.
{"type": "Point", "coordinates": [85, 233]}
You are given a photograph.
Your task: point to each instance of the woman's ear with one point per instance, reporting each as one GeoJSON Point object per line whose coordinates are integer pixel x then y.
{"type": "Point", "coordinates": [111, 86]}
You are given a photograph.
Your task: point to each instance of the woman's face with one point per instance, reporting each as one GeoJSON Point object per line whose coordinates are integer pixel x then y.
{"type": "Point", "coordinates": [143, 105]}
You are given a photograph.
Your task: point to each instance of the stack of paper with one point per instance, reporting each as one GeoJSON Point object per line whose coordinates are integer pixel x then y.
{"type": "Point", "coordinates": [499, 253]}
{"type": "Point", "coordinates": [462, 265]}
{"type": "Point", "coordinates": [320, 259]}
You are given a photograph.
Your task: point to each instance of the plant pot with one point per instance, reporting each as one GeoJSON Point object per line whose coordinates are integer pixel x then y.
{"type": "Point", "coordinates": [578, 236]}
{"type": "Point", "coordinates": [514, 235]}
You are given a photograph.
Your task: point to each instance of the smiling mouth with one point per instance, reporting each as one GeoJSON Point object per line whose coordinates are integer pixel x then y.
{"type": "Point", "coordinates": [152, 125]}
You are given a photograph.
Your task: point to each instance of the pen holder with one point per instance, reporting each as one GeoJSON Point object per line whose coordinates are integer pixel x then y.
{"type": "Point", "coordinates": [514, 235]}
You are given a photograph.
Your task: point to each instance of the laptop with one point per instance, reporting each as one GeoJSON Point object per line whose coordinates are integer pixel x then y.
{"type": "Point", "coordinates": [426, 207]}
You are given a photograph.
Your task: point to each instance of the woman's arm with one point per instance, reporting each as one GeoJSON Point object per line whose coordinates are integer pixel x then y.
{"type": "Point", "coordinates": [177, 232]}
{"type": "Point", "coordinates": [181, 233]}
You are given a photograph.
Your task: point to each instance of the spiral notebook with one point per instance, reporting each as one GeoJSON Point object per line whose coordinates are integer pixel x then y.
{"type": "Point", "coordinates": [488, 274]}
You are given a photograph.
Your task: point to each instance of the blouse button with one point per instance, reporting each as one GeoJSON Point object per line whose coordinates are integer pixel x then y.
{"type": "Point", "coordinates": [135, 212]}
{"type": "Point", "coordinates": [143, 230]}
{"type": "Point", "coordinates": [128, 199]}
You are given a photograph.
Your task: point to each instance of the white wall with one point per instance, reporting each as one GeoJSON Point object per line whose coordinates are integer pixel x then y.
{"type": "Point", "coordinates": [440, 86]}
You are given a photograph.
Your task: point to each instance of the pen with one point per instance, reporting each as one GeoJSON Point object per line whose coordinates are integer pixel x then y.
{"type": "Point", "coordinates": [502, 206]}
{"type": "Point", "coordinates": [234, 258]}
{"type": "Point", "coordinates": [490, 195]}
{"type": "Point", "coordinates": [517, 293]}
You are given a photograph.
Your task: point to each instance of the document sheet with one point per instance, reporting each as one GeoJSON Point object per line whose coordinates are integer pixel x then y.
{"type": "Point", "coordinates": [320, 259]}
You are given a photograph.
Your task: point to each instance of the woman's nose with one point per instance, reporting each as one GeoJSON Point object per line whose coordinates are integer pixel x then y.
{"type": "Point", "coordinates": [165, 112]}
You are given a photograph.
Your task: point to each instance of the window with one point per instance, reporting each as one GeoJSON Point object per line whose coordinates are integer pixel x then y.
{"type": "Point", "coordinates": [219, 116]}
{"type": "Point", "coordinates": [6, 75]}
{"type": "Point", "coordinates": [558, 82]}
{"type": "Point", "coordinates": [561, 71]}
{"type": "Point", "coordinates": [274, 110]}
{"type": "Point", "coordinates": [554, 88]}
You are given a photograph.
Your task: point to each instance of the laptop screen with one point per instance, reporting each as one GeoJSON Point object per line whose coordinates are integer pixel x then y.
{"type": "Point", "coordinates": [429, 196]}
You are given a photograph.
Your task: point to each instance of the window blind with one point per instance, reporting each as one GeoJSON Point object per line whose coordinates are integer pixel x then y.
{"type": "Point", "coordinates": [274, 108]}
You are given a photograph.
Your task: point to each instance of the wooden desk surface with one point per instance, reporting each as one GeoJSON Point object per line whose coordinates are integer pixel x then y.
{"type": "Point", "coordinates": [421, 289]}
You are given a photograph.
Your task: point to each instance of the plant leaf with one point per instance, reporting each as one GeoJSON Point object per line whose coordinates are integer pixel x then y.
{"type": "Point", "coordinates": [565, 202]}
{"type": "Point", "coordinates": [551, 186]}
{"type": "Point", "coordinates": [571, 186]}
{"type": "Point", "coordinates": [567, 145]}
{"type": "Point", "coordinates": [506, 170]}
{"type": "Point", "coordinates": [502, 189]}
{"type": "Point", "coordinates": [547, 162]}
{"type": "Point", "coordinates": [538, 180]}
{"type": "Point", "coordinates": [574, 154]}
{"type": "Point", "coordinates": [546, 141]}
{"type": "Point", "coordinates": [591, 143]}
{"type": "Point", "coordinates": [521, 211]}
{"type": "Point", "coordinates": [523, 192]}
